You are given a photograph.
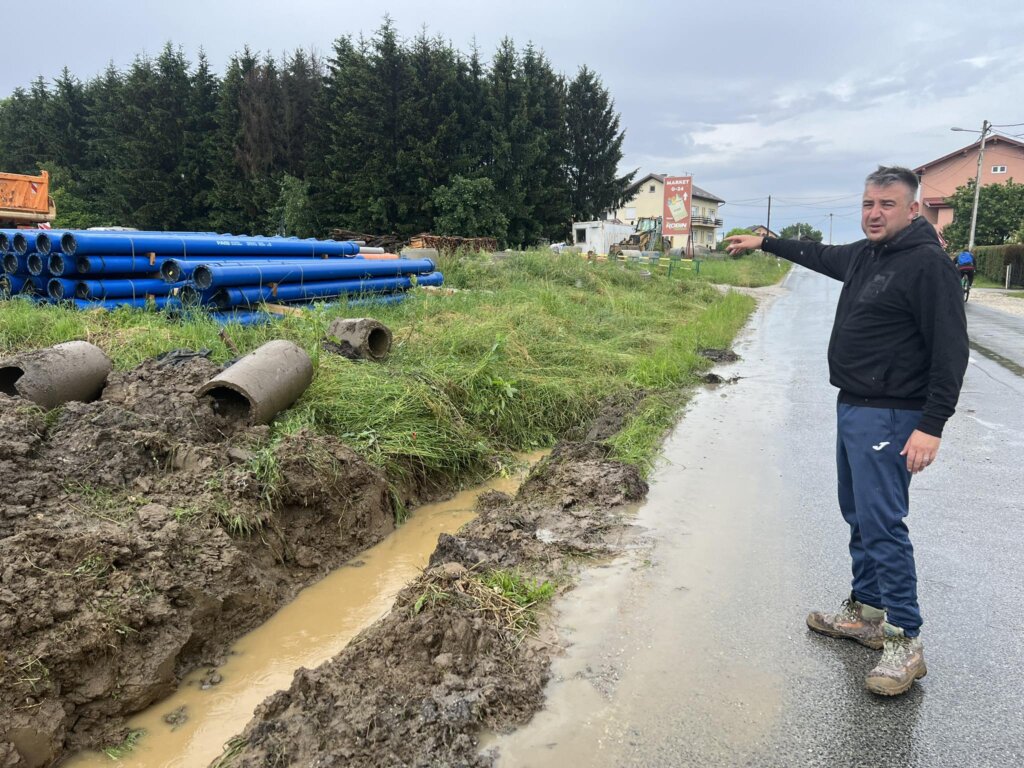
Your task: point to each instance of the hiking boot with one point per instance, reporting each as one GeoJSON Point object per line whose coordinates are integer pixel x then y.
{"type": "Point", "coordinates": [901, 664]}
{"type": "Point", "coordinates": [855, 621]}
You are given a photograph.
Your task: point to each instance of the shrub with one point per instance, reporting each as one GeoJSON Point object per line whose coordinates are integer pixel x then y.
{"type": "Point", "coordinates": [992, 261]}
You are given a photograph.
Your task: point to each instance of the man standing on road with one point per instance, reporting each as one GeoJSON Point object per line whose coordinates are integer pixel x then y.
{"type": "Point", "coordinates": [898, 353]}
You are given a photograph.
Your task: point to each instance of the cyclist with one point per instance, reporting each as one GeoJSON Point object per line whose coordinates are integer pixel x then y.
{"type": "Point", "coordinates": [965, 264]}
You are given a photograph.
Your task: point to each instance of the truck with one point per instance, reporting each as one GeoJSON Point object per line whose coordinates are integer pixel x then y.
{"type": "Point", "coordinates": [25, 200]}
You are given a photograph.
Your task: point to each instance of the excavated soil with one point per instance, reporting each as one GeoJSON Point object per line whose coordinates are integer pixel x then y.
{"type": "Point", "coordinates": [138, 540]}
{"type": "Point", "coordinates": [450, 659]}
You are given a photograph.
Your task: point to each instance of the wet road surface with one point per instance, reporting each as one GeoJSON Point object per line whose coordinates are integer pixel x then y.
{"type": "Point", "coordinates": [692, 650]}
{"type": "Point", "coordinates": [997, 335]}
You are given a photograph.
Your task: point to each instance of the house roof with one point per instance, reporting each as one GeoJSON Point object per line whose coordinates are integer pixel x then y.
{"type": "Point", "coordinates": [697, 191]}
{"type": "Point", "coordinates": [970, 147]}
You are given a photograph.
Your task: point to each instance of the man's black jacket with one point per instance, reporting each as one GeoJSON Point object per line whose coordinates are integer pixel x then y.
{"type": "Point", "coordinates": [900, 333]}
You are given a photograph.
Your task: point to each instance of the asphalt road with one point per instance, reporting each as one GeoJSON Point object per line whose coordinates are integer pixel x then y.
{"type": "Point", "coordinates": [692, 650]}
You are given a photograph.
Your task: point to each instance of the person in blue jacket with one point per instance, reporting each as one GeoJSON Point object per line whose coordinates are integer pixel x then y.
{"type": "Point", "coordinates": [897, 354]}
{"type": "Point", "coordinates": [965, 265]}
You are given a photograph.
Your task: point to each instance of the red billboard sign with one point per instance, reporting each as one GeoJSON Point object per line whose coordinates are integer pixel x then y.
{"type": "Point", "coordinates": [676, 209]}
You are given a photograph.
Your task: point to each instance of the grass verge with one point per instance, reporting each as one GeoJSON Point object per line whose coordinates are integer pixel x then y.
{"type": "Point", "coordinates": [521, 354]}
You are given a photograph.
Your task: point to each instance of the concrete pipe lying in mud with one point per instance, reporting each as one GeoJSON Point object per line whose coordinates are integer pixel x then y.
{"type": "Point", "coordinates": [361, 338]}
{"type": "Point", "coordinates": [74, 370]}
{"type": "Point", "coordinates": [261, 384]}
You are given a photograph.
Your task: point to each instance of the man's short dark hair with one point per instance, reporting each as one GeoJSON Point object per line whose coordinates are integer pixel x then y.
{"type": "Point", "coordinates": [894, 174]}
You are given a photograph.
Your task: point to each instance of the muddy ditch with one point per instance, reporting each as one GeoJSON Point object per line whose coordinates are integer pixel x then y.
{"type": "Point", "coordinates": [138, 542]}
{"type": "Point", "coordinates": [455, 654]}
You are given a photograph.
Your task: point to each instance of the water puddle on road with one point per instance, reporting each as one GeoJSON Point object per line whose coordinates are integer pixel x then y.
{"type": "Point", "coordinates": [190, 727]}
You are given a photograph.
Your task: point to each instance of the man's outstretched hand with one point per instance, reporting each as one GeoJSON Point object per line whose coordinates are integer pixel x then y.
{"type": "Point", "coordinates": [741, 243]}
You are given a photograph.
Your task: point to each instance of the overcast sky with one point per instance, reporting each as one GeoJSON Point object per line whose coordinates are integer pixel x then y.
{"type": "Point", "coordinates": [797, 100]}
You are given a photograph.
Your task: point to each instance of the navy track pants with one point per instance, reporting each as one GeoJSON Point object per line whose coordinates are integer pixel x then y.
{"type": "Point", "coordinates": [874, 497]}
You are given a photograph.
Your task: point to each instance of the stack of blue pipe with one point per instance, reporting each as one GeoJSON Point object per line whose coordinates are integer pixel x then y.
{"type": "Point", "coordinates": [230, 275]}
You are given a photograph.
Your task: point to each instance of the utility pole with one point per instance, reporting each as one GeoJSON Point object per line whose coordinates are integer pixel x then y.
{"type": "Point", "coordinates": [830, 229]}
{"type": "Point", "coordinates": [768, 224]}
{"type": "Point", "coordinates": [985, 125]}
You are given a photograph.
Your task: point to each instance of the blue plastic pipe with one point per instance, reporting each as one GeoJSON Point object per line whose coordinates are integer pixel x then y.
{"type": "Point", "coordinates": [49, 241]}
{"type": "Point", "coordinates": [117, 265]}
{"type": "Point", "coordinates": [223, 275]}
{"type": "Point", "coordinates": [159, 302]}
{"type": "Point", "coordinates": [23, 244]}
{"type": "Point", "coordinates": [122, 289]}
{"type": "Point", "coordinates": [11, 285]}
{"type": "Point", "coordinates": [240, 297]}
{"type": "Point", "coordinates": [5, 239]}
{"type": "Point", "coordinates": [135, 244]}
{"type": "Point", "coordinates": [175, 270]}
{"type": "Point", "coordinates": [244, 318]}
{"type": "Point", "coordinates": [58, 288]}
{"type": "Point", "coordinates": [58, 264]}
{"type": "Point", "coordinates": [14, 262]}
{"type": "Point", "coordinates": [34, 263]}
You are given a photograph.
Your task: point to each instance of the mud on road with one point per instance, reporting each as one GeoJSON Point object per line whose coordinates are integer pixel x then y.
{"type": "Point", "coordinates": [140, 537]}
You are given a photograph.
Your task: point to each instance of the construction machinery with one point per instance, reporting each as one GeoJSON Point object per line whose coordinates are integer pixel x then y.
{"type": "Point", "coordinates": [646, 236]}
{"type": "Point", "coordinates": [25, 200]}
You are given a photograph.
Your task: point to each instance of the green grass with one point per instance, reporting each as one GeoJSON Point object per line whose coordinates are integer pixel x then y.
{"type": "Point", "coordinates": [751, 271]}
{"type": "Point", "coordinates": [125, 747]}
{"type": "Point", "coordinates": [516, 588]}
{"type": "Point", "coordinates": [522, 353]}
{"type": "Point", "coordinates": [980, 281]}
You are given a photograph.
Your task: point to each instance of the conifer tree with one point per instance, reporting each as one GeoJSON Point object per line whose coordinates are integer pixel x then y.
{"type": "Point", "coordinates": [595, 148]}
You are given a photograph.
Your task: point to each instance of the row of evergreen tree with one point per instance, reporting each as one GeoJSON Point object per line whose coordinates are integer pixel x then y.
{"type": "Point", "coordinates": [386, 136]}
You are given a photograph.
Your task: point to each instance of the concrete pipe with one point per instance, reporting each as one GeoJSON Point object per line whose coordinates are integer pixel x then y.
{"type": "Point", "coordinates": [74, 370]}
{"type": "Point", "coordinates": [261, 384]}
{"type": "Point", "coordinates": [361, 338]}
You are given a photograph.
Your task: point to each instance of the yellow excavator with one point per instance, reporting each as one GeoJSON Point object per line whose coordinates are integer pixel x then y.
{"type": "Point", "coordinates": [25, 200]}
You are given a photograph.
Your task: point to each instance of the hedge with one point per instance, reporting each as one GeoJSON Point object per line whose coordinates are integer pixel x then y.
{"type": "Point", "coordinates": [992, 260]}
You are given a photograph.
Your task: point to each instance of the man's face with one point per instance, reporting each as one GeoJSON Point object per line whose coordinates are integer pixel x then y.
{"type": "Point", "coordinates": [886, 210]}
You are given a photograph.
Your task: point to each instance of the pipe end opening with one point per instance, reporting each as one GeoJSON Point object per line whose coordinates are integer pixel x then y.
{"type": "Point", "coordinates": [170, 272]}
{"type": "Point", "coordinates": [11, 262]}
{"type": "Point", "coordinates": [35, 264]}
{"type": "Point", "coordinates": [43, 244]}
{"type": "Point", "coordinates": [202, 277]}
{"type": "Point", "coordinates": [9, 376]}
{"type": "Point", "coordinates": [229, 404]}
{"type": "Point", "coordinates": [378, 343]}
{"type": "Point", "coordinates": [68, 244]}
{"type": "Point", "coordinates": [56, 264]}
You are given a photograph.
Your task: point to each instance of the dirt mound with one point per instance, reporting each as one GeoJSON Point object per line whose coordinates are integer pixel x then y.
{"type": "Point", "coordinates": [453, 655]}
{"type": "Point", "coordinates": [140, 536]}
{"type": "Point", "coordinates": [409, 691]}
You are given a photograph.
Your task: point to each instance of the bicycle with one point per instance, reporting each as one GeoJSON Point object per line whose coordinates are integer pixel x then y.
{"type": "Point", "coordinates": [965, 283]}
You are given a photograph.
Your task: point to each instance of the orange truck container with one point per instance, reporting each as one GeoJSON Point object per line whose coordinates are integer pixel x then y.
{"type": "Point", "coordinates": [25, 200]}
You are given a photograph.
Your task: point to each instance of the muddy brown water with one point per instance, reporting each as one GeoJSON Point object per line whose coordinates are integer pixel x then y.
{"type": "Point", "coordinates": [191, 727]}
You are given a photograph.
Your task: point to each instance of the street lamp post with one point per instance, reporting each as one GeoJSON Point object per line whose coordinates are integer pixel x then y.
{"type": "Point", "coordinates": [985, 125]}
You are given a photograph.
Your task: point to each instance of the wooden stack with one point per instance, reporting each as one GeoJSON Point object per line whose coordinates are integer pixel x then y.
{"type": "Point", "coordinates": [446, 243]}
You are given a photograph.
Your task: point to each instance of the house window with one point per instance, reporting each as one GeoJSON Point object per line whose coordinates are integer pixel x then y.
{"type": "Point", "coordinates": [998, 169]}
{"type": "Point", "coordinates": [581, 235]}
